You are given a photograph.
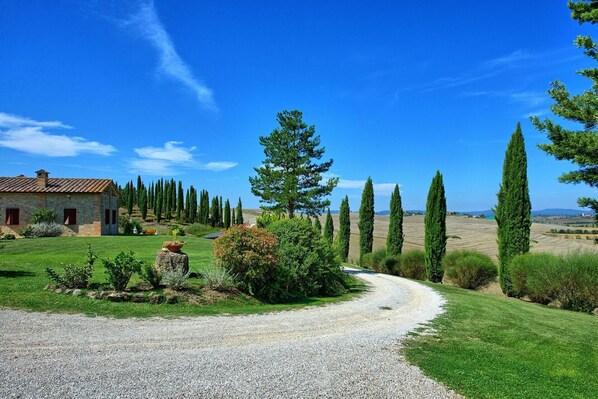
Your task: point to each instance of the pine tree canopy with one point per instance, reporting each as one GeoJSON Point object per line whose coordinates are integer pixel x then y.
{"type": "Point", "coordinates": [577, 146]}
{"type": "Point", "coordinates": [289, 178]}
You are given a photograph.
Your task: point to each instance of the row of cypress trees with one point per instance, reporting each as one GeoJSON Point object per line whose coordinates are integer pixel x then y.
{"type": "Point", "coordinates": [168, 200]}
{"type": "Point", "coordinates": [512, 214]}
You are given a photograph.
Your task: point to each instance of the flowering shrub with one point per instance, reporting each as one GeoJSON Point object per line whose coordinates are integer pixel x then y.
{"type": "Point", "coordinates": [149, 231]}
{"type": "Point", "coordinates": [249, 255]}
{"type": "Point", "coordinates": [43, 230]}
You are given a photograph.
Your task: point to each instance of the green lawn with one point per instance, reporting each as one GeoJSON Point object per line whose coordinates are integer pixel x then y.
{"type": "Point", "coordinates": [491, 347]}
{"type": "Point", "coordinates": [22, 277]}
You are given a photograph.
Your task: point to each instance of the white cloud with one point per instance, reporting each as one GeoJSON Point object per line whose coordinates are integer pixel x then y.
{"type": "Point", "coordinates": [170, 152]}
{"type": "Point", "coordinates": [172, 159]}
{"type": "Point", "coordinates": [28, 135]}
{"type": "Point", "coordinates": [509, 59]}
{"type": "Point", "coordinates": [219, 166]}
{"type": "Point", "coordinates": [379, 188]}
{"type": "Point", "coordinates": [147, 23]}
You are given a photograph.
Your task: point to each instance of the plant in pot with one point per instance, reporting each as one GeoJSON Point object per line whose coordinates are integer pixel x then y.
{"type": "Point", "coordinates": [174, 245]}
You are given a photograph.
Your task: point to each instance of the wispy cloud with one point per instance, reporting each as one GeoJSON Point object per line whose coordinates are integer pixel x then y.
{"type": "Point", "coordinates": [529, 99]}
{"type": "Point", "coordinates": [30, 136]}
{"type": "Point", "coordinates": [508, 60]}
{"type": "Point", "coordinates": [148, 25]}
{"type": "Point", "coordinates": [218, 166]}
{"type": "Point", "coordinates": [172, 159]}
{"type": "Point", "coordinates": [379, 188]}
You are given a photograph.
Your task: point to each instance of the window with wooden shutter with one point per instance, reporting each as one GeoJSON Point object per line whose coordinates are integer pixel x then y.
{"type": "Point", "coordinates": [70, 216]}
{"type": "Point", "coordinates": [107, 216]}
{"type": "Point", "coordinates": [114, 217]}
{"type": "Point", "coordinates": [12, 216]}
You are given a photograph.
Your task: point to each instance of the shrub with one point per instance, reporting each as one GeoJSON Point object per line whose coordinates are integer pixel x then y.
{"type": "Point", "coordinates": [307, 264]}
{"type": "Point", "coordinates": [75, 276]}
{"type": "Point", "coordinates": [469, 269]}
{"type": "Point", "coordinates": [412, 265]}
{"type": "Point", "coordinates": [177, 231]}
{"type": "Point", "coordinates": [267, 218]}
{"type": "Point", "coordinates": [121, 269]}
{"type": "Point", "coordinates": [197, 229]}
{"type": "Point", "coordinates": [127, 226]}
{"type": "Point", "coordinates": [391, 264]}
{"type": "Point", "coordinates": [151, 275]}
{"type": "Point", "coordinates": [375, 260]}
{"type": "Point", "coordinates": [219, 279]}
{"type": "Point", "coordinates": [571, 279]}
{"type": "Point", "coordinates": [534, 276]}
{"type": "Point", "coordinates": [578, 282]}
{"type": "Point", "coordinates": [43, 230]}
{"type": "Point", "coordinates": [175, 279]}
{"type": "Point", "coordinates": [248, 254]}
{"type": "Point", "coordinates": [149, 231]}
{"type": "Point", "coordinates": [43, 216]}
{"type": "Point", "coordinates": [8, 237]}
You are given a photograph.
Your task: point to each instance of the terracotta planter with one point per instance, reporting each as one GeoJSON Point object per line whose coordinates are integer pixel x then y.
{"type": "Point", "coordinates": [173, 246]}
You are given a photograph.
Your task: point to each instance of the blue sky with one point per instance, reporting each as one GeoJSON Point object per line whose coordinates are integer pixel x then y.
{"type": "Point", "coordinates": [396, 90]}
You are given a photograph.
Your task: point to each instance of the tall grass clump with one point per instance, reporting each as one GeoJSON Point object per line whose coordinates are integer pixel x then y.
{"type": "Point", "coordinates": [572, 279]}
{"type": "Point", "coordinates": [412, 265]}
{"type": "Point", "coordinates": [469, 269]}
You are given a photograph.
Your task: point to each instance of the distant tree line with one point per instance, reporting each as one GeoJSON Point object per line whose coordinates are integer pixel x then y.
{"type": "Point", "coordinates": [167, 199]}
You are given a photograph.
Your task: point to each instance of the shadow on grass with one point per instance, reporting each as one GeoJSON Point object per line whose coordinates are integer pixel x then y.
{"type": "Point", "coordinates": [15, 273]}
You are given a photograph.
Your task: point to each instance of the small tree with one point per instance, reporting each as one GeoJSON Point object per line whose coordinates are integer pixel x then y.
{"type": "Point", "coordinates": [239, 218]}
{"type": "Point", "coordinates": [289, 179]}
{"type": "Point", "coordinates": [143, 203]}
{"type": "Point", "coordinates": [329, 228]}
{"type": "Point", "coordinates": [130, 196]}
{"type": "Point", "coordinates": [435, 230]}
{"type": "Point", "coordinates": [513, 211]}
{"type": "Point", "coordinates": [215, 209]}
{"type": "Point", "coordinates": [344, 233]}
{"type": "Point", "coordinates": [227, 214]}
{"type": "Point", "coordinates": [366, 220]}
{"type": "Point", "coordinates": [180, 198]}
{"type": "Point", "coordinates": [318, 224]}
{"type": "Point", "coordinates": [394, 240]}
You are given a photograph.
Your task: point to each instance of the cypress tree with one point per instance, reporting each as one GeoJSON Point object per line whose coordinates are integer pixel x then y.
{"type": "Point", "coordinates": [179, 203]}
{"type": "Point", "coordinates": [158, 210]}
{"type": "Point", "coordinates": [130, 196]}
{"type": "Point", "coordinates": [150, 196]}
{"type": "Point", "coordinates": [143, 203]}
{"type": "Point", "coordinates": [221, 213]}
{"type": "Point", "coordinates": [139, 187]}
{"type": "Point", "coordinates": [239, 218]}
{"type": "Point", "coordinates": [226, 214]}
{"type": "Point", "coordinates": [394, 240]}
{"type": "Point", "coordinates": [435, 230]}
{"type": "Point", "coordinates": [344, 233]}
{"type": "Point", "coordinates": [193, 204]}
{"type": "Point", "coordinates": [513, 211]}
{"type": "Point", "coordinates": [329, 228]}
{"type": "Point", "coordinates": [187, 206]}
{"type": "Point", "coordinates": [309, 221]}
{"type": "Point", "coordinates": [366, 220]}
{"type": "Point", "coordinates": [214, 214]}
{"type": "Point", "coordinates": [318, 224]}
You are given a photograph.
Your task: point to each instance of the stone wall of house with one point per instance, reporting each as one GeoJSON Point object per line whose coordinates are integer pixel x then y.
{"type": "Point", "coordinates": [90, 210]}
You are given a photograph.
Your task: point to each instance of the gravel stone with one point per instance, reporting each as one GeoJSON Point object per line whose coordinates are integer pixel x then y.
{"type": "Point", "coordinates": [344, 350]}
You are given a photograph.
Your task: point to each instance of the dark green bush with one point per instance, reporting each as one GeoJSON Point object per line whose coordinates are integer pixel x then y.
{"type": "Point", "coordinates": [43, 216]}
{"type": "Point", "coordinates": [571, 279]}
{"type": "Point", "coordinates": [151, 275]}
{"type": "Point", "coordinates": [391, 264]}
{"type": "Point", "coordinates": [8, 237]}
{"type": "Point", "coordinates": [375, 260]}
{"type": "Point", "coordinates": [122, 269]}
{"type": "Point", "coordinates": [197, 229]}
{"type": "Point", "coordinates": [75, 276]}
{"type": "Point", "coordinates": [412, 265]}
{"type": "Point", "coordinates": [469, 269]}
{"type": "Point", "coordinates": [535, 275]}
{"type": "Point", "coordinates": [307, 264]}
{"type": "Point", "coordinates": [128, 226]}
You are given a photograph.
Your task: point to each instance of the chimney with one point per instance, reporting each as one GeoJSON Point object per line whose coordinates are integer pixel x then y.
{"type": "Point", "coordinates": [42, 178]}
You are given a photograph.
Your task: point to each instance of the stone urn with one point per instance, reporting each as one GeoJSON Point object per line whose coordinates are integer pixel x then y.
{"type": "Point", "coordinates": [167, 261]}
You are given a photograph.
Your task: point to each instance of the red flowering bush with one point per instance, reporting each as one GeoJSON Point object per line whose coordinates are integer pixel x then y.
{"type": "Point", "coordinates": [250, 256]}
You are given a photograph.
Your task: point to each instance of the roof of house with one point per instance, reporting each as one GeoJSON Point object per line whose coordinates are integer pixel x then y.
{"type": "Point", "coordinates": [54, 185]}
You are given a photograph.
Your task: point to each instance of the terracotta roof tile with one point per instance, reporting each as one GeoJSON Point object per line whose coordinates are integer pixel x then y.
{"type": "Point", "coordinates": [55, 185]}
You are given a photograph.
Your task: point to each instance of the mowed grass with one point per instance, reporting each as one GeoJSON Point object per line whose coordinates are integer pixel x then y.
{"type": "Point", "coordinates": [491, 347]}
{"type": "Point", "coordinates": [22, 278]}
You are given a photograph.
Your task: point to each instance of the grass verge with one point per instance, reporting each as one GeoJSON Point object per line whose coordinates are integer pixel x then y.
{"type": "Point", "coordinates": [22, 278]}
{"type": "Point", "coordinates": [490, 347]}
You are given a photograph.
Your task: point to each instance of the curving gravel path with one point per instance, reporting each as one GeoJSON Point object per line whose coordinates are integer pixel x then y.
{"type": "Point", "coordinates": [346, 350]}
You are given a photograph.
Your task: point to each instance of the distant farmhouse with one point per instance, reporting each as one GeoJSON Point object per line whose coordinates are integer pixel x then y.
{"type": "Point", "coordinates": [88, 207]}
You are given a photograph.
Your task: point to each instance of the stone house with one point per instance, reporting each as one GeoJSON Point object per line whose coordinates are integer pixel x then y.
{"type": "Point", "coordinates": [87, 207]}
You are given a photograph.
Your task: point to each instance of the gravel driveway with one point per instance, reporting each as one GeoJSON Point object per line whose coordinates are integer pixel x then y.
{"type": "Point", "coordinates": [346, 350]}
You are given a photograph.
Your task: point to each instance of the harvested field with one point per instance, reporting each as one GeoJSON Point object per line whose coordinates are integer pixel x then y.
{"type": "Point", "coordinates": [475, 234]}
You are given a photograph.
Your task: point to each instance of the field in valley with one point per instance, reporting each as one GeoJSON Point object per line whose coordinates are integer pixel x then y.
{"type": "Point", "coordinates": [475, 234]}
